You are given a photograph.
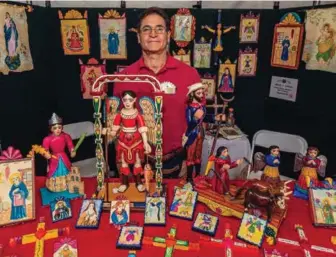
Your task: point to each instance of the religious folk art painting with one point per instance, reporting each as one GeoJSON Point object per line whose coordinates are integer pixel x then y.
{"type": "Point", "coordinates": [112, 35]}
{"type": "Point", "coordinates": [247, 62]}
{"type": "Point", "coordinates": [226, 77]}
{"type": "Point", "coordinates": [183, 204]}
{"type": "Point", "coordinates": [17, 191]}
{"type": "Point", "coordinates": [287, 42]}
{"type": "Point", "coordinates": [252, 229]}
{"type": "Point", "coordinates": [320, 42]}
{"type": "Point", "coordinates": [183, 27]}
{"type": "Point", "coordinates": [90, 212]}
{"type": "Point", "coordinates": [274, 253]}
{"type": "Point", "coordinates": [89, 73]}
{"type": "Point", "coordinates": [209, 82]}
{"type": "Point", "coordinates": [323, 206]}
{"type": "Point", "coordinates": [206, 224]}
{"type": "Point", "coordinates": [66, 247]}
{"type": "Point", "coordinates": [75, 33]}
{"type": "Point", "coordinates": [249, 28]}
{"type": "Point", "coordinates": [183, 56]}
{"type": "Point", "coordinates": [155, 212]}
{"type": "Point", "coordinates": [15, 53]}
{"type": "Point", "coordinates": [120, 212]}
{"type": "Point", "coordinates": [60, 209]}
{"type": "Point", "coordinates": [202, 54]}
{"type": "Point", "coordinates": [130, 238]}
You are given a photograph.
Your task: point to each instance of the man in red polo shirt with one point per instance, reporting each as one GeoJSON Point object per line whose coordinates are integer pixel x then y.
{"type": "Point", "coordinates": [174, 75]}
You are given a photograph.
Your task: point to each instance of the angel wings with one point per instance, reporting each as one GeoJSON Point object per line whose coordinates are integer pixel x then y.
{"type": "Point", "coordinates": [320, 164]}
{"type": "Point", "coordinates": [259, 162]}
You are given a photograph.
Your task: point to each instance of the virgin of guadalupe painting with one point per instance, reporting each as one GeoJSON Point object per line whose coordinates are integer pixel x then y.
{"type": "Point", "coordinates": [183, 27]}
{"type": "Point", "coordinates": [90, 212]}
{"type": "Point", "coordinates": [112, 28]}
{"type": "Point", "coordinates": [320, 43]}
{"type": "Point", "coordinates": [17, 190]}
{"type": "Point", "coordinates": [287, 42]}
{"type": "Point", "coordinates": [75, 33]}
{"type": "Point", "coordinates": [15, 53]}
{"type": "Point", "coordinates": [249, 28]}
{"type": "Point", "coordinates": [226, 77]}
{"type": "Point", "coordinates": [202, 54]}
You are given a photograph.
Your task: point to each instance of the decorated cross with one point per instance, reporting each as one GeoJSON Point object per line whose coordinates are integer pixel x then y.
{"type": "Point", "coordinates": [171, 243]}
{"type": "Point", "coordinates": [39, 237]}
{"type": "Point", "coordinates": [304, 243]}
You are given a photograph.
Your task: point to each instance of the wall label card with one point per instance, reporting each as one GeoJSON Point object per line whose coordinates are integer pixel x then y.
{"type": "Point", "coordinates": [284, 88]}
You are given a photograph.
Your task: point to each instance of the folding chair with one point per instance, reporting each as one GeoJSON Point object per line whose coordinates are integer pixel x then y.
{"type": "Point", "coordinates": [287, 143]}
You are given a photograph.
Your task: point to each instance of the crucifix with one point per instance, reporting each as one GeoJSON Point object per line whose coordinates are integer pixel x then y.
{"type": "Point", "coordinates": [171, 243]}
{"type": "Point", "coordinates": [304, 243]}
{"type": "Point", "coordinates": [39, 237]}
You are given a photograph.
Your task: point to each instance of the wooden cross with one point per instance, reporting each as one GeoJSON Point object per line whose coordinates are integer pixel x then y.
{"type": "Point", "coordinates": [39, 237]}
{"type": "Point", "coordinates": [304, 243]}
{"type": "Point", "coordinates": [171, 243]}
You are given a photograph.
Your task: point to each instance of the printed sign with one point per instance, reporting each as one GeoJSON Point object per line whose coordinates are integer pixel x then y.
{"type": "Point", "coordinates": [284, 88]}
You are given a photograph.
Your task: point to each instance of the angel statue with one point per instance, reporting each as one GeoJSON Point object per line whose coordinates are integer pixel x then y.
{"type": "Point", "coordinates": [310, 165]}
{"type": "Point", "coordinates": [133, 132]}
{"type": "Point", "coordinates": [270, 163]}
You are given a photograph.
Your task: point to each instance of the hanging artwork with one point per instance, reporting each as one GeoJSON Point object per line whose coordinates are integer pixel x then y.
{"type": "Point", "coordinates": [120, 212]}
{"type": "Point", "coordinates": [249, 28]}
{"type": "Point", "coordinates": [247, 62]}
{"type": "Point", "coordinates": [75, 33]}
{"type": "Point", "coordinates": [202, 54]}
{"type": "Point", "coordinates": [155, 212]}
{"type": "Point", "coordinates": [183, 27]}
{"type": "Point", "coordinates": [66, 247]}
{"type": "Point", "coordinates": [183, 204]}
{"type": "Point", "coordinates": [112, 28]}
{"type": "Point", "coordinates": [226, 77]}
{"type": "Point", "coordinates": [182, 56]}
{"type": "Point", "coordinates": [205, 224]}
{"type": "Point", "coordinates": [60, 209]}
{"type": "Point", "coordinates": [252, 229]}
{"type": "Point", "coordinates": [130, 238]}
{"type": "Point", "coordinates": [323, 206]}
{"type": "Point", "coordinates": [209, 82]}
{"type": "Point", "coordinates": [90, 212]}
{"type": "Point", "coordinates": [89, 73]}
{"type": "Point", "coordinates": [15, 53]}
{"type": "Point", "coordinates": [287, 41]}
{"type": "Point", "coordinates": [17, 190]}
{"type": "Point", "coordinates": [320, 43]}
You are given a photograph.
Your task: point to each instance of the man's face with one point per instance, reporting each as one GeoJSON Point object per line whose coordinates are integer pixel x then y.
{"type": "Point", "coordinates": [153, 36]}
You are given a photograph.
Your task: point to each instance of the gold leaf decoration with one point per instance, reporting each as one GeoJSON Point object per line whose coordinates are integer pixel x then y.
{"type": "Point", "coordinates": [73, 14]}
{"type": "Point", "coordinates": [112, 14]}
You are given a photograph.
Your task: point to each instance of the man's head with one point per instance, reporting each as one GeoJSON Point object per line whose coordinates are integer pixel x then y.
{"type": "Point", "coordinates": [153, 30]}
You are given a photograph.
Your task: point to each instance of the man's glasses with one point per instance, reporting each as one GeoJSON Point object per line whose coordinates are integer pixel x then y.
{"type": "Point", "coordinates": [148, 30]}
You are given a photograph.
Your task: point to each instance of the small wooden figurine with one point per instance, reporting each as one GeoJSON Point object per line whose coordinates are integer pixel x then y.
{"type": "Point", "coordinates": [148, 174]}
{"type": "Point", "coordinates": [231, 119]}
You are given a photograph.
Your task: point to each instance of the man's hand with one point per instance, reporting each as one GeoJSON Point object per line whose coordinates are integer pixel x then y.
{"type": "Point", "coordinates": [199, 114]}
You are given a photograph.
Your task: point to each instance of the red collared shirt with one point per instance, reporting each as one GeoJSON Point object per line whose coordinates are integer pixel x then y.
{"type": "Point", "coordinates": [174, 119]}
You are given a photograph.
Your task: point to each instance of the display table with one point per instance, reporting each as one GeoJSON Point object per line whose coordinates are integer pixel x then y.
{"type": "Point", "coordinates": [238, 148]}
{"type": "Point", "coordinates": [101, 242]}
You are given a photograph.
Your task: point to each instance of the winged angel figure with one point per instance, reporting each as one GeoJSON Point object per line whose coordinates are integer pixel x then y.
{"type": "Point", "coordinates": [133, 132]}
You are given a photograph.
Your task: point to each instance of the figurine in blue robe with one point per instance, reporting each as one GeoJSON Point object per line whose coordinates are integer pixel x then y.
{"type": "Point", "coordinates": [285, 49]}
{"type": "Point", "coordinates": [113, 42]}
{"type": "Point", "coordinates": [18, 195]}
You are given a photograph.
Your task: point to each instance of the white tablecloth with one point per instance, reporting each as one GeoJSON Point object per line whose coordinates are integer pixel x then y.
{"type": "Point", "coordinates": [238, 148]}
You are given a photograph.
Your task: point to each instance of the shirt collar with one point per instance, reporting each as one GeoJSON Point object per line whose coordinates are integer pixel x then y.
{"type": "Point", "coordinates": [171, 63]}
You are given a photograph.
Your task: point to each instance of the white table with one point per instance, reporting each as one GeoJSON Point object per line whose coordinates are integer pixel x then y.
{"type": "Point", "coordinates": [238, 148]}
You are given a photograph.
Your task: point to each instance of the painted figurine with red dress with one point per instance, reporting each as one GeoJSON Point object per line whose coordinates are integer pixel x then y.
{"type": "Point", "coordinates": [193, 138]}
{"type": "Point", "coordinates": [59, 165]}
{"type": "Point", "coordinates": [223, 163]}
{"type": "Point", "coordinates": [130, 130]}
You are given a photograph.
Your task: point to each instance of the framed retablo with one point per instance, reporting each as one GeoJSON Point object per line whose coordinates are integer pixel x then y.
{"type": "Point", "coordinates": [183, 27]}
{"type": "Point", "coordinates": [90, 212]}
{"type": "Point", "coordinates": [249, 28]}
{"type": "Point", "coordinates": [202, 54]}
{"type": "Point", "coordinates": [247, 62]}
{"type": "Point", "coordinates": [274, 253]}
{"type": "Point", "coordinates": [89, 73]}
{"type": "Point", "coordinates": [155, 212]}
{"type": "Point", "coordinates": [226, 77]}
{"type": "Point", "coordinates": [66, 247]}
{"type": "Point", "coordinates": [183, 204]}
{"type": "Point", "coordinates": [287, 42]}
{"type": "Point", "coordinates": [130, 238]}
{"type": "Point", "coordinates": [75, 33]}
{"type": "Point", "coordinates": [252, 229]}
{"type": "Point", "coordinates": [17, 191]}
{"type": "Point", "coordinates": [183, 56]}
{"type": "Point", "coordinates": [209, 82]}
{"type": "Point", "coordinates": [60, 209]}
{"type": "Point", "coordinates": [323, 206]}
{"type": "Point", "coordinates": [112, 28]}
{"type": "Point", "coordinates": [205, 224]}
{"type": "Point", "coordinates": [120, 212]}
